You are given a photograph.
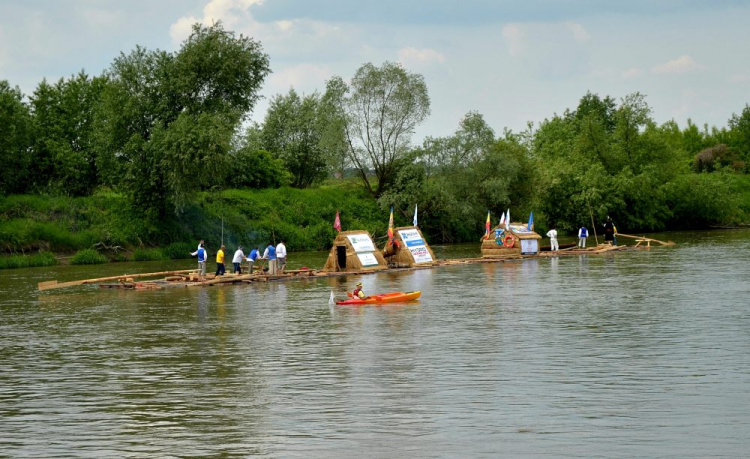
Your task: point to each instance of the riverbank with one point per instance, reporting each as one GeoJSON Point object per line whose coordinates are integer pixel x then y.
{"type": "Point", "coordinates": [37, 230]}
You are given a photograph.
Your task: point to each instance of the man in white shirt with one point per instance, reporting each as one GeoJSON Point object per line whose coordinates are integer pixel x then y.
{"type": "Point", "coordinates": [237, 260]}
{"type": "Point", "coordinates": [552, 235]}
{"type": "Point", "coordinates": [281, 256]}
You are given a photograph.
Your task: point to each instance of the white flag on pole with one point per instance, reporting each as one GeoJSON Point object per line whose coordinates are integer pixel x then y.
{"type": "Point", "coordinates": [415, 215]}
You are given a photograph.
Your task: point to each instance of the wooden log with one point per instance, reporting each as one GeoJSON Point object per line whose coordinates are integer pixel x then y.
{"type": "Point", "coordinates": [646, 239]}
{"type": "Point", "coordinates": [49, 285]}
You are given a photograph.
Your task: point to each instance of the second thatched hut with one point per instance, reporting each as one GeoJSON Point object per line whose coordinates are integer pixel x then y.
{"type": "Point", "coordinates": [409, 249]}
{"type": "Point", "coordinates": [354, 251]}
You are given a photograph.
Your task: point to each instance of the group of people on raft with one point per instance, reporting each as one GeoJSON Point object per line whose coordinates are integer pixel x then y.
{"type": "Point", "coordinates": [610, 235]}
{"type": "Point", "coordinates": [276, 256]}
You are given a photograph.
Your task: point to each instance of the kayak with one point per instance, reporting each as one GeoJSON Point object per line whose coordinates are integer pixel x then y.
{"type": "Point", "coordinates": [395, 297]}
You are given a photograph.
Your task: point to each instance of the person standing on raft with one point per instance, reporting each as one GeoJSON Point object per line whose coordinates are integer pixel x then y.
{"type": "Point", "coordinates": [254, 254]}
{"type": "Point", "coordinates": [202, 257]}
{"type": "Point", "coordinates": [220, 271]}
{"type": "Point", "coordinates": [270, 255]}
{"type": "Point", "coordinates": [583, 233]}
{"type": "Point", "coordinates": [552, 235]}
{"type": "Point", "coordinates": [239, 255]}
{"type": "Point", "coordinates": [358, 292]}
{"type": "Point", "coordinates": [281, 256]}
{"type": "Point", "coordinates": [609, 232]}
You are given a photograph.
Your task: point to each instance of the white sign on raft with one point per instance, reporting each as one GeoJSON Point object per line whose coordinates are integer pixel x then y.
{"type": "Point", "coordinates": [416, 245]}
{"type": "Point", "coordinates": [361, 243]}
{"type": "Point", "coordinates": [529, 246]}
{"type": "Point", "coordinates": [367, 259]}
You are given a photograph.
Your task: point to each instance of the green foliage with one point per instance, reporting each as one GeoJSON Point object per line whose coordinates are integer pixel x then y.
{"type": "Point", "coordinates": [293, 131]}
{"type": "Point", "coordinates": [149, 255]}
{"type": "Point", "coordinates": [250, 168]}
{"type": "Point", "coordinates": [64, 159]}
{"type": "Point", "coordinates": [28, 261]}
{"type": "Point", "coordinates": [88, 257]}
{"type": "Point", "coordinates": [16, 130]}
{"type": "Point", "coordinates": [178, 250]}
{"type": "Point", "coordinates": [166, 121]}
{"type": "Point", "coordinates": [701, 200]}
{"type": "Point", "coordinates": [380, 111]}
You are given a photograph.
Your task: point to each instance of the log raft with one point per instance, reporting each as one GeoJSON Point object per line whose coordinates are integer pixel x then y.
{"type": "Point", "coordinates": [189, 277]}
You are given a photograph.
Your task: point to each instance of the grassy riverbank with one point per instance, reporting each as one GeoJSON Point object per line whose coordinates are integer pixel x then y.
{"type": "Point", "coordinates": [32, 225]}
{"type": "Point", "coordinates": [40, 230]}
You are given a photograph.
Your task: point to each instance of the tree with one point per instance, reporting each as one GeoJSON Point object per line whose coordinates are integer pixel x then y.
{"type": "Point", "coordinates": [167, 119]}
{"type": "Point", "coordinates": [739, 126]}
{"type": "Point", "coordinates": [15, 140]}
{"type": "Point", "coordinates": [293, 131]}
{"type": "Point", "coordinates": [64, 158]}
{"type": "Point", "coordinates": [380, 110]}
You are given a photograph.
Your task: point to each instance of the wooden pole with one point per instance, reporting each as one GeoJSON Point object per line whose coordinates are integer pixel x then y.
{"type": "Point", "coordinates": [643, 238]}
{"type": "Point", "coordinates": [49, 285]}
{"type": "Point", "coordinates": [593, 225]}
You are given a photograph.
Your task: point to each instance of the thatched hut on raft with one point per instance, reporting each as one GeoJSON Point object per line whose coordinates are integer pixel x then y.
{"type": "Point", "coordinates": [408, 249]}
{"type": "Point", "coordinates": [515, 240]}
{"type": "Point", "coordinates": [354, 251]}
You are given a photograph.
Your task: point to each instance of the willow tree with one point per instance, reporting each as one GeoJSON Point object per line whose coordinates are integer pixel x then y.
{"type": "Point", "coordinates": [380, 110]}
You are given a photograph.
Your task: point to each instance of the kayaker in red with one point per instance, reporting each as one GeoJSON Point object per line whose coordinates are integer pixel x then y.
{"type": "Point", "coordinates": [358, 292]}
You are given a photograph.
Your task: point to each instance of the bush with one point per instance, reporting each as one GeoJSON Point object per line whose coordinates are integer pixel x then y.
{"type": "Point", "coordinates": [88, 257]}
{"type": "Point", "coordinates": [178, 250]}
{"type": "Point", "coordinates": [28, 261]}
{"type": "Point", "coordinates": [149, 255]}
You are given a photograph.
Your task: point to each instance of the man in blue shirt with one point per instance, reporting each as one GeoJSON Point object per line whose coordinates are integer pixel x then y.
{"type": "Point", "coordinates": [270, 255]}
{"type": "Point", "coordinates": [202, 257]}
{"type": "Point", "coordinates": [254, 254]}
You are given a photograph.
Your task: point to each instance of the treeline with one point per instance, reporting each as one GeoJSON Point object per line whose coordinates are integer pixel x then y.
{"type": "Point", "coordinates": [165, 130]}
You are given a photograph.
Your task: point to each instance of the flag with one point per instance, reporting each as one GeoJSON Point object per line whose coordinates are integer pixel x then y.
{"type": "Point", "coordinates": [502, 218]}
{"type": "Point", "coordinates": [337, 222]}
{"type": "Point", "coordinates": [487, 226]}
{"type": "Point", "coordinates": [414, 222]}
{"type": "Point", "coordinates": [531, 221]}
{"type": "Point", "coordinates": [390, 226]}
{"type": "Point", "coordinates": [507, 219]}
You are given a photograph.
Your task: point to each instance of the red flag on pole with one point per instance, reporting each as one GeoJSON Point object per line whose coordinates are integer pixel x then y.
{"type": "Point", "coordinates": [337, 222]}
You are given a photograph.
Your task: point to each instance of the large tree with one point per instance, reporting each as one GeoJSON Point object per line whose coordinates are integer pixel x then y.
{"type": "Point", "coordinates": [167, 119]}
{"type": "Point", "coordinates": [64, 159]}
{"type": "Point", "coordinates": [293, 131]}
{"type": "Point", "coordinates": [380, 109]}
{"type": "Point", "coordinates": [15, 140]}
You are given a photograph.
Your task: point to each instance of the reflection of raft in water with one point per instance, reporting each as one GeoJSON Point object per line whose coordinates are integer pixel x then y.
{"type": "Point", "coordinates": [189, 278]}
{"type": "Point", "coordinates": [395, 297]}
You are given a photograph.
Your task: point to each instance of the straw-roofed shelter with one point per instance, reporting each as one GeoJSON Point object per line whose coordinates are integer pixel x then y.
{"type": "Point", "coordinates": [354, 251]}
{"type": "Point", "coordinates": [514, 241]}
{"type": "Point", "coordinates": [409, 249]}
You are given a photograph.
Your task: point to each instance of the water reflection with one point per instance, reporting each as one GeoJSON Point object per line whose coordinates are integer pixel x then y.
{"type": "Point", "coordinates": [634, 354]}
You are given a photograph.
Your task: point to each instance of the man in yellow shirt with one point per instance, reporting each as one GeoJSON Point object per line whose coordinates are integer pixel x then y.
{"type": "Point", "coordinates": [220, 261]}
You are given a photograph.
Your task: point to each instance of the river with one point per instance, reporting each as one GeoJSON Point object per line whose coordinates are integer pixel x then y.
{"type": "Point", "coordinates": [642, 353]}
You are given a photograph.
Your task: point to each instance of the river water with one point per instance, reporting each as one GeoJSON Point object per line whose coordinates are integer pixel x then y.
{"type": "Point", "coordinates": [643, 353]}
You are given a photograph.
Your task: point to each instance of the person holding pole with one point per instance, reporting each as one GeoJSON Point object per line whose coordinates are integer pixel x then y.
{"type": "Point", "coordinates": [237, 260]}
{"type": "Point", "coordinates": [270, 255]}
{"type": "Point", "coordinates": [281, 256]}
{"type": "Point", "coordinates": [254, 254]}
{"type": "Point", "coordinates": [552, 235]}
{"type": "Point", "coordinates": [220, 261]}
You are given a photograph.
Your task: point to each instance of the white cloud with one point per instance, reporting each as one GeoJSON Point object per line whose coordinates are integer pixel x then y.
{"type": "Point", "coordinates": [515, 36]}
{"type": "Point", "coordinates": [232, 13]}
{"type": "Point", "coordinates": [414, 56]}
{"type": "Point", "coordinates": [682, 64]}
{"type": "Point", "coordinates": [631, 73]}
{"type": "Point", "coordinates": [739, 78]}
{"type": "Point", "coordinates": [304, 77]}
{"type": "Point", "coordinates": [579, 33]}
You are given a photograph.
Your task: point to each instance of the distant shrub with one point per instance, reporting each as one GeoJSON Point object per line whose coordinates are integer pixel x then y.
{"type": "Point", "coordinates": [28, 261]}
{"type": "Point", "coordinates": [178, 250]}
{"type": "Point", "coordinates": [712, 158]}
{"type": "Point", "coordinates": [149, 255]}
{"type": "Point", "coordinates": [88, 257]}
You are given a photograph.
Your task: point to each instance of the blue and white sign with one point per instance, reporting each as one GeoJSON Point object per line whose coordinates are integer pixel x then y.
{"type": "Point", "coordinates": [416, 245]}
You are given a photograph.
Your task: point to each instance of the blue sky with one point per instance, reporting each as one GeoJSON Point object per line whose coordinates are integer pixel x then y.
{"type": "Point", "coordinates": [512, 61]}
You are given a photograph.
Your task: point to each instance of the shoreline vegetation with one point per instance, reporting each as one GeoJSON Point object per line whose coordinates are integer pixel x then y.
{"type": "Point", "coordinates": [153, 155]}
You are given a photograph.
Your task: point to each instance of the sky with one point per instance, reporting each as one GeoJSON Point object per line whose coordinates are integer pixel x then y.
{"type": "Point", "coordinates": [512, 61]}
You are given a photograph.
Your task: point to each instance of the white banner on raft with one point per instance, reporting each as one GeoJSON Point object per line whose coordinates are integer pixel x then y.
{"type": "Point", "coordinates": [411, 237]}
{"type": "Point", "coordinates": [529, 246]}
{"type": "Point", "coordinates": [420, 254]}
{"type": "Point", "coordinates": [367, 259]}
{"type": "Point", "coordinates": [361, 243]}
